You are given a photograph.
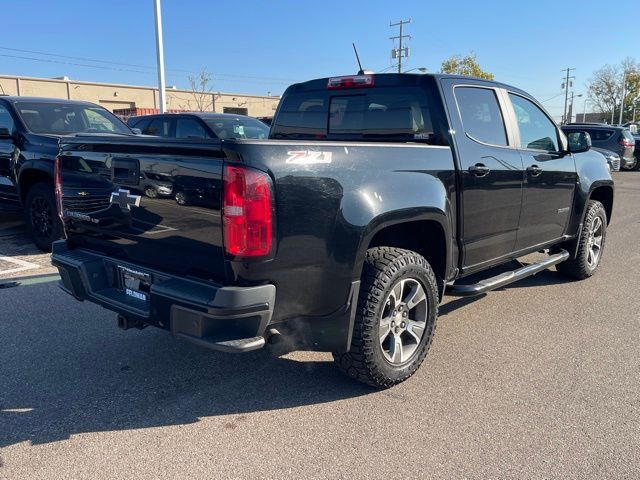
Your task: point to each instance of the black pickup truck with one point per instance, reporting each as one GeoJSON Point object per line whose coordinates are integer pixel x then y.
{"type": "Point", "coordinates": [341, 232]}
{"type": "Point", "coordinates": [30, 128]}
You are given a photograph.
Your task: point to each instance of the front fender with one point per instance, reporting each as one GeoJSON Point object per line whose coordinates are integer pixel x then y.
{"type": "Point", "coordinates": [593, 172]}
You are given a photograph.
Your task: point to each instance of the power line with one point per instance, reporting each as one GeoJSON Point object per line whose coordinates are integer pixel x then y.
{"type": "Point", "coordinates": [107, 62]}
{"type": "Point", "coordinates": [549, 99]}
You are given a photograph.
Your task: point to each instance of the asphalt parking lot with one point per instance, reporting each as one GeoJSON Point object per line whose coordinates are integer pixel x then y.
{"type": "Point", "coordinates": [537, 380]}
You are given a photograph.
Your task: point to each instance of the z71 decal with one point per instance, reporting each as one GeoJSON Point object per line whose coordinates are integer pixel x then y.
{"type": "Point", "coordinates": [306, 157]}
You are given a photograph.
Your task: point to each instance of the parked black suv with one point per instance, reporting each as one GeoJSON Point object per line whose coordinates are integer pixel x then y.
{"type": "Point", "coordinates": [616, 139]}
{"type": "Point", "coordinates": [200, 126]}
{"type": "Point", "coordinates": [30, 129]}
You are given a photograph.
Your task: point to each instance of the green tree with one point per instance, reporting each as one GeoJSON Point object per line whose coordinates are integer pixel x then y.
{"type": "Point", "coordinates": [467, 65]}
{"type": "Point", "coordinates": [605, 89]}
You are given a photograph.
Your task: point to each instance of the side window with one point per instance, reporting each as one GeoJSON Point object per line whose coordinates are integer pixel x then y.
{"type": "Point", "coordinates": [158, 127]}
{"type": "Point", "coordinates": [6, 121]}
{"type": "Point", "coordinates": [600, 135]}
{"type": "Point", "coordinates": [536, 130]}
{"type": "Point", "coordinates": [142, 124]}
{"type": "Point", "coordinates": [190, 128]}
{"type": "Point", "coordinates": [481, 115]}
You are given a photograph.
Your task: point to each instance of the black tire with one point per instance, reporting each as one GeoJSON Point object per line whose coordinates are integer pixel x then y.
{"type": "Point", "coordinates": [151, 192]}
{"type": "Point", "coordinates": [41, 216]}
{"type": "Point", "coordinates": [583, 265]}
{"type": "Point", "coordinates": [384, 269]}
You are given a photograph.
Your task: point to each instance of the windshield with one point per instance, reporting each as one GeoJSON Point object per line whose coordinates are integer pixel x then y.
{"type": "Point", "coordinates": [238, 127]}
{"type": "Point", "coordinates": [68, 118]}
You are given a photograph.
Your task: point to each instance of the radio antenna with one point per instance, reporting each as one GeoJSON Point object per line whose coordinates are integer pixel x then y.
{"type": "Point", "coordinates": [361, 71]}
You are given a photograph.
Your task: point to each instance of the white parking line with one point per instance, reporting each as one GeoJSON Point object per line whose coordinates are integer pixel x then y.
{"type": "Point", "coordinates": [22, 265]}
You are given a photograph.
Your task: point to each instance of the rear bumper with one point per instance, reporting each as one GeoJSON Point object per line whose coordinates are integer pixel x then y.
{"type": "Point", "coordinates": [626, 162]}
{"type": "Point", "coordinates": [232, 319]}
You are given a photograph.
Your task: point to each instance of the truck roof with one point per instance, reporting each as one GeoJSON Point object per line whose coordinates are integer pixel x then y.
{"type": "Point", "coordinates": [391, 79]}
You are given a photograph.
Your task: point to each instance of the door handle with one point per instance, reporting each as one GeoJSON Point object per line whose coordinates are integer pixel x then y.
{"type": "Point", "coordinates": [534, 170]}
{"type": "Point", "coordinates": [479, 170]}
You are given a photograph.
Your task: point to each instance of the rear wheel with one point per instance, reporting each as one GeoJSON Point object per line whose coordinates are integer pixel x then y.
{"type": "Point", "coordinates": [41, 216]}
{"type": "Point", "coordinates": [181, 199]}
{"type": "Point", "coordinates": [395, 320]}
{"type": "Point", "coordinates": [590, 244]}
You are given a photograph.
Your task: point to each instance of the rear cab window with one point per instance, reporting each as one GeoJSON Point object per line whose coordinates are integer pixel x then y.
{"type": "Point", "coordinates": [389, 113]}
{"type": "Point", "coordinates": [481, 115]}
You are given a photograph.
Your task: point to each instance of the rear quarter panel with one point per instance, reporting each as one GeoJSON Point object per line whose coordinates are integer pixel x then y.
{"type": "Point", "coordinates": [331, 199]}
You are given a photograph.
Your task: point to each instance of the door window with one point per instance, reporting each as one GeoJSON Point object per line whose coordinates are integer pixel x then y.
{"type": "Point", "coordinates": [6, 121]}
{"type": "Point", "coordinates": [481, 116]}
{"type": "Point", "coordinates": [190, 128]}
{"type": "Point", "coordinates": [159, 127]}
{"type": "Point", "coordinates": [537, 131]}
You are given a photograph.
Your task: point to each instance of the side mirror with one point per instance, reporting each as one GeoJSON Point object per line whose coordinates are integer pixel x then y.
{"type": "Point", "coordinates": [579, 142]}
{"type": "Point", "coordinates": [5, 133]}
{"type": "Point", "coordinates": [136, 131]}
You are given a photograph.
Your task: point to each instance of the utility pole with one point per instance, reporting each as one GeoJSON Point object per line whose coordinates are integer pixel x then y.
{"type": "Point", "coordinates": [400, 52]}
{"type": "Point", "coordinates": [566, 86]}
{"type": "Point", "coordinates": [160, 53]}
{"type": "Point", "coordinates": [624, 92]}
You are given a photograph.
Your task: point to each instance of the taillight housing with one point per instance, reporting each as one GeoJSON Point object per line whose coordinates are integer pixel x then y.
{"type": "Point", "coordinates": [627, 143]}
{"type": "Point", "coordinates": [247, 212]}
{"type": "Point", "coordinates": [57, 179]}
{"type": "Point", "coordinates": [351, 81]}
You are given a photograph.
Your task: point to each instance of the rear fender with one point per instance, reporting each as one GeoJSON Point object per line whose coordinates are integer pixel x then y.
{"type": "Point", "coordinates": [381, 204]}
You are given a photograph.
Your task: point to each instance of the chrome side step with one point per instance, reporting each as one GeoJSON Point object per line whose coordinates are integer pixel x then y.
{"type": "Point", "coordinates": [506, 278]}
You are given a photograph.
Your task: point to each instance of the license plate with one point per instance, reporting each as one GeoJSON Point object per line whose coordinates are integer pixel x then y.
{"type": "Point", "coordinates": [135, 284]}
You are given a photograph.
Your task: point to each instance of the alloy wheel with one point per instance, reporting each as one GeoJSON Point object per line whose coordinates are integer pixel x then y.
{"type": "Point", "coordinates": [594, 242]}
{"type": "Point", "coordinates": [41, 215]}
{"type": "Point", "coordinates": [403, 321]}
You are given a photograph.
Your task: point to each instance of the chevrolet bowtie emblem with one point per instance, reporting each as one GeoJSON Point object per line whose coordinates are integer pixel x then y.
{"type": "Point", "coordinates": [124, 199]}
{"type": "Point", "coordinates": [83, 194]}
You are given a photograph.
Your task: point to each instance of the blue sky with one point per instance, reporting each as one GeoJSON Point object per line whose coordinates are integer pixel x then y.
{"type": "Point", "coordinates": [262, 46]}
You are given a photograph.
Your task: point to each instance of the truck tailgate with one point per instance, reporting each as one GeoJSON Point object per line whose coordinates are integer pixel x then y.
{"type": "Point", "coordinates": [106, 209]}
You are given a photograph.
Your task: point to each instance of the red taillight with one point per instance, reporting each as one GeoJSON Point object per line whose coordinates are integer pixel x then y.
{"type": "Point", "coordinates": [247, 212]}
{"type": "Point", "coordinates": [353, 81]}
{"type": "Point", "coordinates": [57, 178]}
{"type": "Point", "coordinates": [627, 143]}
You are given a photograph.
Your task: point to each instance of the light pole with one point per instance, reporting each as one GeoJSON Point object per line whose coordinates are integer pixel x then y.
{"type": "Point", "coordinates": [570, 114]}
{"type": "Point", "coordinates": [160, 53]}
{"type": "Point", "coordinates": [420, 69]}
{"type": "Point", "coordinates": [584, 110]}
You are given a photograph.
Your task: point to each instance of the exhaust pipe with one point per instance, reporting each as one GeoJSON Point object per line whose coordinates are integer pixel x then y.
{"type": "Point", "coordinates": [274, 337]}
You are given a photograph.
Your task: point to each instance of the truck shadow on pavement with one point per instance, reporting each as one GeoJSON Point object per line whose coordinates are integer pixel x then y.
{"type": "Point", "coordinates": [66, 369]}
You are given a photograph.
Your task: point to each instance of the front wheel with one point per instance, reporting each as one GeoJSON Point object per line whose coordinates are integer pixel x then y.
{"type": "Point", "coordinates": [395, 319]}
{"type": "Point", "coordinates": [151, 192]}
{"type": "Point", "coordinates": [590, 244]}
{"type": "Point", "coordinates": [41, 216]}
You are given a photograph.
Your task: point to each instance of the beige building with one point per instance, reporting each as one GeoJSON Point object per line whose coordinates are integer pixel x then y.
{"type": "Point", "coordinates": [116, 96]}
